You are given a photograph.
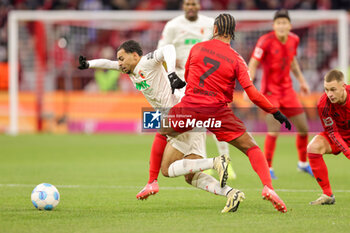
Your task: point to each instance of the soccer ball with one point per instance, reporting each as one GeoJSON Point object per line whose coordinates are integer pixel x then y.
{"type": "Point", "coordinates": [45, 196]}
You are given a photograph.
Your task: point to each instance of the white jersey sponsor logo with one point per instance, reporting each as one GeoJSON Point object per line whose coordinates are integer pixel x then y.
{"type": "Point", "coordinates": [258, 52]}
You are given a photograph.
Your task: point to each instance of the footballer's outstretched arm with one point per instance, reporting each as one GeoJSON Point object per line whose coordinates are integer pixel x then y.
{"type": "Point", "coordinates": [98, 64]}
{"type": "Point", "coordinates": [255, 96]}
{"type": "Point", "coordinates": [260, 100]}
{"type": "Point", "coordinates": [244, 78]}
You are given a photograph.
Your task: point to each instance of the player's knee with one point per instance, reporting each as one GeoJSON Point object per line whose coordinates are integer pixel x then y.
{"type": "Point", "coordinates": [314, 147]}
{"type": "Point", "coordinates": [249, 143]}
{"type": "Point", "coordinates": [243, 143]}
{"type": "Point", "coordinates": [162, 132]}
{"type": "Point", "coordinates": [247, 146]}
{"type": "Point", "coordinates": [188, 178]}
{"type": "Point", "coordinates": [164, 171]}
{"type": "Point", "coordinates": [274, 134]}
{"type": "Point", "coordinates": [303, 129]}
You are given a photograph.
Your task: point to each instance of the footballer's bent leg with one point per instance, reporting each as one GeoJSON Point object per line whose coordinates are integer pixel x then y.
{"type": "Point", "coordinates": [158, 147]}
{"type": "Point", "coordinates": [187, 166]}
{"type": "Point", "coordinates": [210, 184]}
{"type": "Point", "coordinates": [174, 165]}
{"type": "Point", "coordinates": [170, 155]}
{"type": "Point", "coordinates": [204, 181]}
{"type": "Point", "coordinates": [316, 148]}
{"type": "Point", "coordinates": [248, 146]}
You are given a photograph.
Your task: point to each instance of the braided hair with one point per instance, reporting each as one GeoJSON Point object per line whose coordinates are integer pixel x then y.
{"type": "Point", "coordinates": [226, 25]}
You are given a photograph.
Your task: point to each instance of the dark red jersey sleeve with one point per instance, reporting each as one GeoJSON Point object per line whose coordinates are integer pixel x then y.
{"type": "Point", "coordinates": [324, 111]}
{"type": "Point", "coordinates": [260, 100]}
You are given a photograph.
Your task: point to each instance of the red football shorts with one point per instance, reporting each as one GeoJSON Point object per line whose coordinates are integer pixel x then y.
{"type": "Point", "coordinates": [288, 104]}
{"type": "Point", "coordinates": [335, 149]}
{"type": "Point", "coordinates": [231, 127]}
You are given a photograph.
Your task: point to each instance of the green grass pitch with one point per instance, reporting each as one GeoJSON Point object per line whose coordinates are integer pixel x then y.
{"type": "Point", "coordinates": [98, 177]}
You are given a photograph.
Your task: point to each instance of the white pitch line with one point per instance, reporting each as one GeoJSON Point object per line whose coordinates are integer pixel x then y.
{"type": "Point", "coordinates": [163, 188]}
{"type": "Point", "coordinates": [96, 186]}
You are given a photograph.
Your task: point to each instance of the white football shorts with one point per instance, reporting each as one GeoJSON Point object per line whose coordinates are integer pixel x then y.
{"type": "Point", "coordinates": [190, 143]}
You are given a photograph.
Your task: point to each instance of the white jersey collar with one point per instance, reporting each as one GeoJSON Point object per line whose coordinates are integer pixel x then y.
{"type": "Point", "coordinates": [137, 68]}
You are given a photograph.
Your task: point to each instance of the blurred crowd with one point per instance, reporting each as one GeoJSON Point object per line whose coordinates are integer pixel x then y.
{"type": "Point", "coordinates": [173, 4]}
{"type": "Point", "coordinates": [7, 5]}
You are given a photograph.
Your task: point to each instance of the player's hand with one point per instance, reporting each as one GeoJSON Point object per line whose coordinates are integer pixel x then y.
{"type": "Point", "coordinates": [282, 119]}
{"type": "Point", "coordinates": [304, 89]}
{"type": "Point", "coordinates": [83, 63]}
{"type": "Point", "coordinates": [175, 82]}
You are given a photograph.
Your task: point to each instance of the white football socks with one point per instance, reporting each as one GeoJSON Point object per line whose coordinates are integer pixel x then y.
{"type": "Point", "coordinates": [303, 164]}
{"type": "Point", "coordinates": [186, 166]}
{"type": "Point", "coordinates": [208, 183]}
{"type": "Point", "coordinates": [222, 146]}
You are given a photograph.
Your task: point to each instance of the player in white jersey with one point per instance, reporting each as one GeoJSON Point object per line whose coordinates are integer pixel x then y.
{"type": "Point", "coordinates": [186, 154]}
{"type": "Point", "coordinates": [186, 30]}
{"type": "Point", "coordinates": [183, 32]}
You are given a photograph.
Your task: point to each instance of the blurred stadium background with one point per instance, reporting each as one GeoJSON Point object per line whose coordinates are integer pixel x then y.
{"type": "Point", "coordinates": [54, 96]}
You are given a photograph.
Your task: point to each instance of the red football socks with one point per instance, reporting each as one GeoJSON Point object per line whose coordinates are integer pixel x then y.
{"type": "Point", "coordinates": [269, 148]}
{"type": "Point", "coordinates": [320, 171]}
{"type": "Point", "coordinates": [259, 164]}
{"type": "Point", "coordinates": [157, 150]}
{"type": "Point", "coordinates": [301, 146]}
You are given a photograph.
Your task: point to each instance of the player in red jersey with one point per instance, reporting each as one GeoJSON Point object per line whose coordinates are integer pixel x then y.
{"type": "Point", "coordinates": [276, 51]}
{"type": "Point", "coordinates": [211, 72]}
{"type": "Point", "coordinates": [334, 111]}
